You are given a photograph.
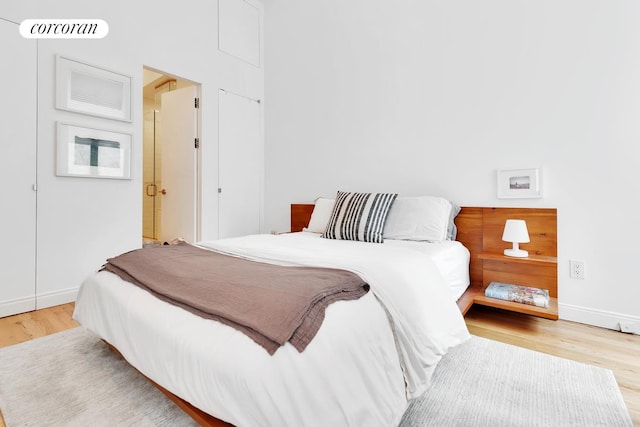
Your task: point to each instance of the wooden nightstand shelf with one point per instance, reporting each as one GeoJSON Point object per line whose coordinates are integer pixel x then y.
{"type": "Point", "coordinates": [535, 271]}
{"type": "Point", "coordinates": [480, 230]}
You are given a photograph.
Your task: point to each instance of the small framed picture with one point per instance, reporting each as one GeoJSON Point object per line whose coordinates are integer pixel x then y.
{"type": "Point", "coordinates": [92, 153]}
{"type": "Point", "coordinates": [87, 89]}
{"type": "Point", "coordinates": [519, 183]}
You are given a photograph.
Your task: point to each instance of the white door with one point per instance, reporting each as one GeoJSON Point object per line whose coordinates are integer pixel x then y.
{"type": "Point", "coordinates": [18, 172]}
{"type": "Point", "coordinates": [240, 166]}
{"type": "Point", "coordinates": [178, 182]}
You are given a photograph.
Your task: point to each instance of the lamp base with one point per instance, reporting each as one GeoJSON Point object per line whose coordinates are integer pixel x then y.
{"type": "Point", "coordinates": [517, 253]}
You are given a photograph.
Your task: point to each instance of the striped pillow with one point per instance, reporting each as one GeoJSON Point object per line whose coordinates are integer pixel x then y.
{"type": "Point", "coordinates": [359, 216]}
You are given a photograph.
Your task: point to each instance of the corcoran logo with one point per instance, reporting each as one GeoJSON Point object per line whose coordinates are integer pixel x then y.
{"type": "Point", "coordinates": [64, 28]}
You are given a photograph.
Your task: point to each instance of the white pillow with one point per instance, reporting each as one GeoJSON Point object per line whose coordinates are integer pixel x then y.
{"type": "Point", "coordinates": [320, 215]}
{"type": "Point", "coordinates": [422, 218]}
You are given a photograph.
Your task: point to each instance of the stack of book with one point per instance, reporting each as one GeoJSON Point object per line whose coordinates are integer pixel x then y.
{"type": "Point", "coordinates": [515, 293]}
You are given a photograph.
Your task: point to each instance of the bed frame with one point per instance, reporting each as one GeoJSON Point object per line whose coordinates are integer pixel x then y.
{"type": "Point", "coordinates": [479, 229]}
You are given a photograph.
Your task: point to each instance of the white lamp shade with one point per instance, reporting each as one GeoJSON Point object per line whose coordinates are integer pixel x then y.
{"type": "Point", "coordinates": [515, 231]}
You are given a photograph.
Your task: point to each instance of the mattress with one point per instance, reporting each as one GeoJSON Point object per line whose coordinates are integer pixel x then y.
{"type": "Point", "coordinates": [369, 358]}
{"type": "Point", "coordinates": [451, 258]}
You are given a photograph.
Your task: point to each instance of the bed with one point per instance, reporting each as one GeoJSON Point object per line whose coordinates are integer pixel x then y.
{"type": "Point", "coordinates": [369, 358]}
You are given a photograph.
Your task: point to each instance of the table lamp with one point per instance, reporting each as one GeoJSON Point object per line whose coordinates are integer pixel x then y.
{"type": "Point", "coordinates": [515, 231]}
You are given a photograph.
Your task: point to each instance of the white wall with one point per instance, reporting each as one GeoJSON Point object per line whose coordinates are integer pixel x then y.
{"type": "Point", "coordinates": [431, 97]}
{"type": "Point", "coordinates": [81, 222]}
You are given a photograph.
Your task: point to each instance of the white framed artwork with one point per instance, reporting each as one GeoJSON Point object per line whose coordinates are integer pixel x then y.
{"type": "Point", "coordinates": [92, 153]}
{"type": "Point", "coordinates": [519, 183]}
{"type": "Point", "coordinates": [87, 89]}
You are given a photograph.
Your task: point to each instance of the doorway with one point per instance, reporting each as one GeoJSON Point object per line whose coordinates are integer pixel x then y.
{"type": "Point", "coordinates": [170, 158]}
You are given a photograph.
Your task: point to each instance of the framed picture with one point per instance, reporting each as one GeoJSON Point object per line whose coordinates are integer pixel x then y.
{"type": "Point", "coordinates": [92, 153]}
{"type": "Point", "coordinates": [87, 89]}
{"type": "Point", "coordinates": [520, 183]}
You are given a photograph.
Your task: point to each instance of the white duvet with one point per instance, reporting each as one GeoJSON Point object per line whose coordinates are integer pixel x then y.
{"type": "Point", "coordinates": [368, 359]}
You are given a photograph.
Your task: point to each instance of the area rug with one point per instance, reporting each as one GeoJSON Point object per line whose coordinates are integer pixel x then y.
{"type": "Point", "coordinates": [72, 379]}
{"type": "Point", "coordinates": [488, 383]}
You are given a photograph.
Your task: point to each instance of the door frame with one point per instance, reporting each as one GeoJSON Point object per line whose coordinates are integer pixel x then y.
{"type": "Point", "coordinates": [184, 82]}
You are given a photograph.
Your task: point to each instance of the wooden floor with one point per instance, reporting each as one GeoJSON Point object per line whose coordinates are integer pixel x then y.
{"type": "Point", "coordinates": [587, 344]}
{"type": "Point", "coordinates": [35, 324]}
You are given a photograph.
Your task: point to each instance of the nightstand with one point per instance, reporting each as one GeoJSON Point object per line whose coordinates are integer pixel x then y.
{"type": "Point", "coordinates": [535, 271]}
{"type": "Point", "coordinates": [480, 230]}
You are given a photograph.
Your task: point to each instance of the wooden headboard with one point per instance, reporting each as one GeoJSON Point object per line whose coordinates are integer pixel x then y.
{"type": "Point", "coordinates": [300, 216]}
{"type": "Point", "coordinates": [480, 230]}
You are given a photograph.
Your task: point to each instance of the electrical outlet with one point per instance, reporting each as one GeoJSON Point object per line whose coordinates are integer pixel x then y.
{"type": "Point", "coordinates": [576, 269]}
{"type": "Point", "coordinates": [630, 327]}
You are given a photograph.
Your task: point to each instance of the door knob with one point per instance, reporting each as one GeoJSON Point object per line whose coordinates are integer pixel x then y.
{"type": "Point", "coordinates": [163, 191]}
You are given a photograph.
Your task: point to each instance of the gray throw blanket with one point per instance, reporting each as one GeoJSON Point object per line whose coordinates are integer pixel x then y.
{"type": "Point", "coordinates": [271, 304]}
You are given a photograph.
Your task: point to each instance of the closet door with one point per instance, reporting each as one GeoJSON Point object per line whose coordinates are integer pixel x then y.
{"type": "Point", "coordinates": [240, 166]}
{"type": "Point", "coordinates": [18, 172]}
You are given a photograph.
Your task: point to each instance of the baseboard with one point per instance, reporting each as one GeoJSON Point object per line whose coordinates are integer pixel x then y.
{"type": "Point", "coordinates": [51, 299]}
{"type": "Point", "coordinates": [20, 305]}
{"type": "Point", "coordinates": [601, 318]}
